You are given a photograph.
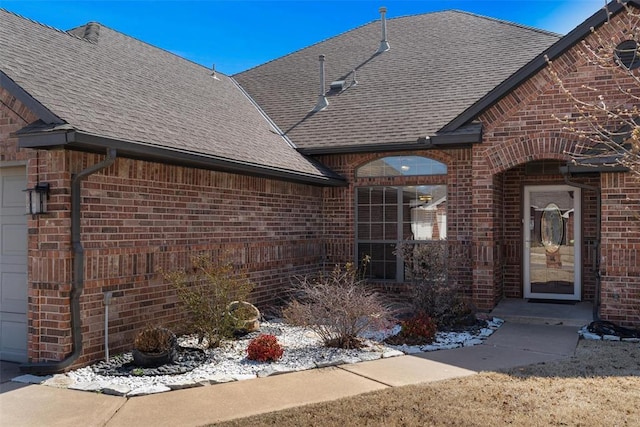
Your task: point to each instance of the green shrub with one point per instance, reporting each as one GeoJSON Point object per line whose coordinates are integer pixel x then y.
{"type": "Point", "coordinates": [264, 348]}
{"type": "Point", "coordinates": [205, 291]}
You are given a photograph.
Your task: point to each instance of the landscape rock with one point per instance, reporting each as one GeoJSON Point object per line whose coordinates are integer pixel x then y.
{"type": "Point", "coordinates": [116, 390]}
{"type": "Point", "coordinates": [329, 363]}
{"type": "Point", "coordinates": [87, 386]}
{"type": "Point", "coordinates": [392, 353]}
{"type": "Point", "coordinates": [58, 381]}
{"type": "Point", "coordinates": [181, 385]}
{"type": "Point", "coordinates": [273, 370]}
{"type": "Point", "coordinates": [31, 379]}
{"type": "Point", "coordinates": [303, 350]}
{"type": "Point", "coordinates": [149, 389]}
{"type": "Point", "coordinates": [471, 342]}
{"type": "Point", "coordinates": [242, 377]}
{"type": "Point", "coordinates": [219, 379]}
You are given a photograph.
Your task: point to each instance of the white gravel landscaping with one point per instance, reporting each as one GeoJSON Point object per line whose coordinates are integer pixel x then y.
{"type": "Point", "coordinates": [302, 350]}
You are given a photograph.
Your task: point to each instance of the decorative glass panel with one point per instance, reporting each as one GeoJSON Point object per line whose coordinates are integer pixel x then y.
{"type": "Point", "coordinates": [401, 166]}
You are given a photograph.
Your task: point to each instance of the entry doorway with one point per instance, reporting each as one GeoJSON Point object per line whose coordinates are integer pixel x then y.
{"type": "Point", "coordinates": [552, 242]}
{"type": "Point", "coordinates": [13, 265]}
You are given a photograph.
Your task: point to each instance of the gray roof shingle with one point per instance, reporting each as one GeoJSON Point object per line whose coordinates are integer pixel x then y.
{"type": "Point", "coordinates": [439, 64]}
{"type": "Point", "coordinates": [122, 89]}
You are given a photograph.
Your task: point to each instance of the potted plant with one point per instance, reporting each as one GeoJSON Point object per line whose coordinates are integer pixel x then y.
{"type": "Point", "coordinates": [154, 346]}
{"type": "Point", "coordinates": [245, 316]}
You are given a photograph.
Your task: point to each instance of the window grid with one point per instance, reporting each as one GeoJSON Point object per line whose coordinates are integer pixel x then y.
{"type": "Point", "coordinates": [388, 215]}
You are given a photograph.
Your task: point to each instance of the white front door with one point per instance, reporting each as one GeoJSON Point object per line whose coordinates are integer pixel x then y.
{"type": "Point", "coordinates": [552, 242]}
{"type": "Point", "coordinates": [13, 265]}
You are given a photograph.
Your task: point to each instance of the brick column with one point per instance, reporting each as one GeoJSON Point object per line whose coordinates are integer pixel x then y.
{"type": "Point", "coordinates": [485, 235]}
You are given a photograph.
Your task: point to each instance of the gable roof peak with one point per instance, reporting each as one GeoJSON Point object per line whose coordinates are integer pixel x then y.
{"type": "Point", "coordinates": [89, 32]}
{"type": "Point", "coordinates": [33, 21]}
{"type": "Point", "coordinates": [503, 21]}
{"type": "Point", "coordinates": [92, 31]}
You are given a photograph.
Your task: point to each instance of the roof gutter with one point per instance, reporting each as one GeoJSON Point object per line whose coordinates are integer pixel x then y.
{"type": "Point", "coordinates": [454, 140]}
{"type": "Point", "coordinates": [148, 152]}
{"type": "Point", "coordinates": [77, 284]}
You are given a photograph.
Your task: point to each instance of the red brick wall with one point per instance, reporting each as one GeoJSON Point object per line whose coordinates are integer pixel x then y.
{"type": "Point", "coordinates": [339, 206]}
{"type": "Point", "coordinates": [43, 290]}
{"type": "Point", "coordinates": [521, 128]}
{"type": "Point", "coordinates": [13, 117]}
{"type": "Point", "coordinates": [620, 249]}
{"type": "Point", "coordinates": [514, 181]}
{"type": "Point", "coordinates": [138, 217]}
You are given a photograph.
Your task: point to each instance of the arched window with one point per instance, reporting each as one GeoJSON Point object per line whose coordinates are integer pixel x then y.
{"type": "Point", "coordinates": [401, 166]}
{"type": "Point", "coordinates": [387, 216]}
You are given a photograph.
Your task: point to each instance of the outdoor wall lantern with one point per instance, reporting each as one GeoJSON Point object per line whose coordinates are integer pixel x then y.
{"type": "Point", "coordinates": [37, 198]}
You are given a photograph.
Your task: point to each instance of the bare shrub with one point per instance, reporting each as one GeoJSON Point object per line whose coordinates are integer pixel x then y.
{"type": "Point", "coordinates": [337, 306]}
{"type": "Point", "coordinates": [426, 268]}
{"type": "Point", "coordinates": [154, 339]}
{"type": "Point", "coordinates": [205, 290]}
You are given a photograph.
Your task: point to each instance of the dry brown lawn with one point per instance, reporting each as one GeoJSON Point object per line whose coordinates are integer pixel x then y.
{"type": "Point", "coordinates": [600, 386]}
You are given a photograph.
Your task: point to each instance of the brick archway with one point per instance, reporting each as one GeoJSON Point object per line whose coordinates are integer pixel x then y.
{"type": "Point", "coordinates": [490, 254]}
{"type": "Point", "coordinates": [516, 151]}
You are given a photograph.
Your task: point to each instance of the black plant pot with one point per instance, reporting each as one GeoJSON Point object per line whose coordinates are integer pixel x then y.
{"type": "Point", "coordinates": [153, 360]}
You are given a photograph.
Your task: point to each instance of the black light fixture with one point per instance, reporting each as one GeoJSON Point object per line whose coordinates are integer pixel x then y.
{"type": "Point", "coordinates": [37, 198]}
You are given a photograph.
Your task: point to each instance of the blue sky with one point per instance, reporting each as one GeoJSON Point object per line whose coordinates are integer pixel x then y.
{"type": "Point", "coordinates": [237, 34]}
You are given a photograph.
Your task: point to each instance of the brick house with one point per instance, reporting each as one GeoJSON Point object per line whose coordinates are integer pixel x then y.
{"type": "Point", "coordinates": [441, 132]}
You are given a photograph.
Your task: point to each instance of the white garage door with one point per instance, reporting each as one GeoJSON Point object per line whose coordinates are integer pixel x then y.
{"type": "Point", "coordinates": [13, 265]}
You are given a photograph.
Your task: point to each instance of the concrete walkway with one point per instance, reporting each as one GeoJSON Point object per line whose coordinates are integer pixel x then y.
{"type": "Point", "coordinates": [510, 346]}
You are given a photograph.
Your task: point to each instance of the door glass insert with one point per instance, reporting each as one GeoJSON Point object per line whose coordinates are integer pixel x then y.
{"type": "Point", "coordinates": [552, 242]}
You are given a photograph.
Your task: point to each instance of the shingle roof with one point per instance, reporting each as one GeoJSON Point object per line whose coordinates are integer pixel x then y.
{"type": "Point", "coordinates": [121, 89]}
{"type": "Point", "coordinates": [439, 64]}
{"type": "Point", "coordinates": [574, 37]}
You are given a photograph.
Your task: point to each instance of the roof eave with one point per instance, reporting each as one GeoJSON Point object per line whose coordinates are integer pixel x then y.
{"type": "Point", "coordinates": [365, 148]}
{"type": "Point", "coordinates": [77, 140]}
{"type": "Point", "coordinates": [440, 140]}
{"type": "Point", "coordinates": [42, 112]}
{"type": "Point", "coordinates": [471, 135]}
{"type": "Point", "coordinates": [592, 168]}
{"type": "Point", "coordinates": [535, 65]}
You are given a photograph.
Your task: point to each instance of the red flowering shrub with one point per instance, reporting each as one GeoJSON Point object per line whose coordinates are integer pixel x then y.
{"type": "Point", "coordinates": [418, 330]}
{"type": "Point", "coordinates": [264, 348]}
{"type": "Point", "coordinates": [419, 326]}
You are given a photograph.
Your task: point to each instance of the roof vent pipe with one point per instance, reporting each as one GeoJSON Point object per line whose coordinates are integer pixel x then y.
{"type": "Point", "coordinates": [322, 100]}
{"type": "Point", "coordinates": [384, 44]}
